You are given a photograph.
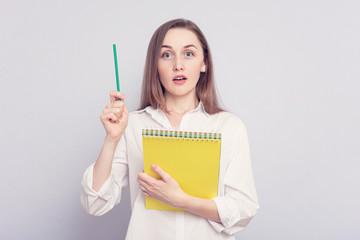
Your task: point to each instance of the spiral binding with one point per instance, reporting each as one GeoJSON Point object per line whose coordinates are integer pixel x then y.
{"type": "Point", "coordinates": [184, 135]}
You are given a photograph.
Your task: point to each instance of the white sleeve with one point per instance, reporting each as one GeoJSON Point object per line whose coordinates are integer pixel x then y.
{"type": "Point", "coordinates": [239, 203]}
{"type": "Point", "coordinates": [99, 202]}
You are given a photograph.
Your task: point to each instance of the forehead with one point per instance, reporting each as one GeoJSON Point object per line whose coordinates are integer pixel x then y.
{"type": "Point", "coordinates": [179, 37]}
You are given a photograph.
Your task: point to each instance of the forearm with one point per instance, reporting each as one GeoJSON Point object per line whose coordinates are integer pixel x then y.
{"type": "Point", "coordinates": [102, 166]}
{"type": "Point", "coordinates": [205, 208]}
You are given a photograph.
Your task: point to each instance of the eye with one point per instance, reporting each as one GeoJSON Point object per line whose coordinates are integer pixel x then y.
{"type": "Point", "coordinates": [189, 54]}
{"type": "Point", "coordinates": [166, 55]}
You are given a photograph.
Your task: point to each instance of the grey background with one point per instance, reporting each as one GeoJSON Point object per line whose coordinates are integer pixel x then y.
{"type": "Point", "coordinates": [289, 69]}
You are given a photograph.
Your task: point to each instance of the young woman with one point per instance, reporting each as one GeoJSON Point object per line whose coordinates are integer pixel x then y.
{"type": "Point", "coordinates": [178, 93]}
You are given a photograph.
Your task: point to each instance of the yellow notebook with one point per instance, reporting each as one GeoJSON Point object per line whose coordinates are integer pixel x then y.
{"type": "Point", "coordinates": [191, 158]}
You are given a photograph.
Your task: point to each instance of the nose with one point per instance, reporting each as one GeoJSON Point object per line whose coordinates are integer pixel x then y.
{"type": "Point", "coordinates": [178, 65]}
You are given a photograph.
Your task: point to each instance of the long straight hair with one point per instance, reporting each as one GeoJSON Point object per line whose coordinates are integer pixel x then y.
{"type": "Point", "coordinates": [152, 93]}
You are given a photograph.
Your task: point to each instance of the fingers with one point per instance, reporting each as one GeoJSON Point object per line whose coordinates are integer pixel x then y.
{"type": "Point", "coordinates": [166, 177]}
{"type": "Point", "coordinates": [114, 111]}
{"type": "Point", "coordinates": [109, 116]}
{"type": "Point", "coordinates": [144, 191]}
{"type": "Point", "coordinates": [115, 95]}
{"type": "Point", "coordinates": [164, 191]}
{"type": "Point", "coordinates": [117, 104]}
{"type": "Point", "coordinates": [146, 183]}
{"type": "Point", "coordinates": [146, 180]}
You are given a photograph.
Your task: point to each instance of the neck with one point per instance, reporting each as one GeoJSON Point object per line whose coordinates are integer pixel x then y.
{"type": "Point", "coordinates": [181, 105]}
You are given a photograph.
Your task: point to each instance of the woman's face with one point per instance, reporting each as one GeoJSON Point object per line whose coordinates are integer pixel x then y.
{"type": "Point", "coordinates": [181, 61]}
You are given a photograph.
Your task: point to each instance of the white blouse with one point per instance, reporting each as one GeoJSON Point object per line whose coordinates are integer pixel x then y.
{"type": "Point", "coordinates": [236, 201]}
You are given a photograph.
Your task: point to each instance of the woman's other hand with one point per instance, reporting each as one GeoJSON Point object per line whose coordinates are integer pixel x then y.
{"type": "Point", "coordinates": [167, 189]}
{"type": "Point", "coordinates": [115, 116]}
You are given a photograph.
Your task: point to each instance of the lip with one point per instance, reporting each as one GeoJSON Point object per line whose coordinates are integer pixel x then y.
{"type": "Point", "coordinates": [180, 76]}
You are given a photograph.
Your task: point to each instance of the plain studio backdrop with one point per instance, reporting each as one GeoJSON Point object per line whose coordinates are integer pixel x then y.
{"type": "Point", "coordinates": [289, 69]}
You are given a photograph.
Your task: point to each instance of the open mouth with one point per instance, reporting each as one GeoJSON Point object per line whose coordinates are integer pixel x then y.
{"type": "Point", "coordinates": [179, 78]}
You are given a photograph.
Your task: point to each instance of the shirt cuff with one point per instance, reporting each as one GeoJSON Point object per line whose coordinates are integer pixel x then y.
{"type": "Point", "coordinates": [104, 191]}
{"type": "Point", "coordinates": [228, 213]}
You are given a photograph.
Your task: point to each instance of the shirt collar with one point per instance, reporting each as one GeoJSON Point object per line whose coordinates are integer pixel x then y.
{"type": "Point", "coordinates": [200, 108]}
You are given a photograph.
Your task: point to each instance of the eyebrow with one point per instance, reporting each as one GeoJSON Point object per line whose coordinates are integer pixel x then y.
{"type": "Point", "coordinates": [187, 46]}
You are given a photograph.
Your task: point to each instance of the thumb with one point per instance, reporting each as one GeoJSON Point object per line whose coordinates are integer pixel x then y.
{"type": "Point", "coordinates": [166, 177]}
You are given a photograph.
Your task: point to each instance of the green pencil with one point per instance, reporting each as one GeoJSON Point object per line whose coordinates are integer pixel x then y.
{"type": "Point", "coordinates": [116, 69]}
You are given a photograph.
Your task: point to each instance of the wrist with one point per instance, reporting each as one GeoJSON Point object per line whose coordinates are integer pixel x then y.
{"type": "Point", "coordinates": [183, 201]}
{"type": "Point", "coordinates": [112, 140]}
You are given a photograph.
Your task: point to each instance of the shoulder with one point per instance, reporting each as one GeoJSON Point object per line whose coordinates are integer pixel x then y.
{"type": "Point", "coordinates": [140, 118]}
{"type": "Point", "coordinates": [137, 121]}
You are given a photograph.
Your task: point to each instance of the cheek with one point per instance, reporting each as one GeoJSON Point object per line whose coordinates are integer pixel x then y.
{"type": "Point", "coordinates": [163, 75]}
{"type": "Point", "coordinates": [163, 70]}
{"type": "Point", "coordinates": [196, 66]}
{"type": "Point", "coordinates": [196, 69]}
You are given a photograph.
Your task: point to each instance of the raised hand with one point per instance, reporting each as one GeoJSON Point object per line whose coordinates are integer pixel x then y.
{"type": "Point", "coordinates": [115, 116]}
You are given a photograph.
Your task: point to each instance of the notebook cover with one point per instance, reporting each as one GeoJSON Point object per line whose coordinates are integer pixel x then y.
{"type": "Point", "coordinates": [192, 159]}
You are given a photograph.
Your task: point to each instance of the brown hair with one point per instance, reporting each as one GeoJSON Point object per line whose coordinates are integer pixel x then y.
{"type": "Point", "coordinates": [152, 92]}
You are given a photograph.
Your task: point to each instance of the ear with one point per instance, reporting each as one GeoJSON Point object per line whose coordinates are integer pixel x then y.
{"type": "Point", "coordinates": [203, 68]}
